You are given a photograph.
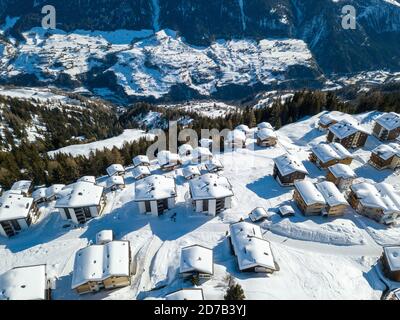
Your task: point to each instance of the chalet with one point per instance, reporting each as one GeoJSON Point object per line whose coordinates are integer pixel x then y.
{"type": "Point", "coordinates": [214, 165]}
{"type": "Point", "coordinates": [185, 150]}
{"type": "Point", "coordinates": [386, 156]}
{"type": "Point", "coordinates": [39, 195]}
{"type": "Point", "coordinates": [211, 193]}
{"type": "Point", "coordinates": [168, 160]}
{"type": "Point", "coordinates": [325, 155]}
{"type": "Point", "coordinates": [258, 214]}
{"type": "Point", "coordinates": [266, 137]}
{"type": "Point", "coordinates": [236, 139]}
{"type": "Point", "coordinates": [102, 266]}
{"type": "Point", "coordinates": [83, 202]}
{"type": "Point", "coordinates": [325, 121]}
{"type": "Point", "coordinates": [115, 170]}
{"type": "Point", "coordinates": [252, 251]}
{"type": "Point", "coordinates": [376, 201]}
{"type": "Point", "coordinates": [186, 294]}
{"type": "Point", "coordinates": [341, 175]}
{"type": "Point", "coordinates": [264, 125]}
{"type": "Point", "coordinates": [391, 262]}
{"type": "Point", "coordinates": [349, 135]}
{"type": "Point", "coordinates": [141, 172]}
{"type": "Point", "coordinates": [191, 172]}
{"type": "Point", "coordinates": [25, 283]}
{"type": "Point", "coordinates": [89, 179]}
{"type": "Point", "coordinates": [23, 187]}
{"type": "Point", "coordinates": [288, 169]}
{"type": "Point", "coordinates": [155, 194]}
{"type": "Point", "coordinates": [200, 155]}
{"type": "Point", "coordinates": [206, 143]}
{"type": "Point", "coordinates": [336, 203]}
{"type": "Point", "coordinates": [196, 261]}
{"type": "Point", "coordinates": [387, 127]}
{"type": "Point", "coordinates": [54, 192]}
{"type": "Point", "coordinates": [114, 183]}
{"type": "Point", "coordinates": [141, 161]}
{"type": "Point", "coordinates": [17, 213]}
{"type": "Point", "coordinates": [286, 211]}
{"type": "Point", "coordinates": [308, 198]}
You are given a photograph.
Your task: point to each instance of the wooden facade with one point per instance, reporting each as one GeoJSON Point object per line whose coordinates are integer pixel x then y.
{"type": "Point", "coordinates": [355, 140]}
{"type": "Point", "coordinates": [289, 179]}
{"type": "Point", "coordinates": [307, 210]}
{"type": "Point", "coordinates": [385, 135]}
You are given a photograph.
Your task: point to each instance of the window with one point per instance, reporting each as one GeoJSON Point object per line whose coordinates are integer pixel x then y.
{"type": "Point", "coordinates": [15, 225]}
{"type": "Point", "coordinates": [87, 213]}
{"type": "Point", "coordinates": [66, 212]}
{"type": "Point", "coordinates": [148, 206]}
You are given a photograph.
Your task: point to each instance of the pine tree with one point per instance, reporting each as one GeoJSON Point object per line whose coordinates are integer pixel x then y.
{"type": "Point", "coordinates": [234, 291]}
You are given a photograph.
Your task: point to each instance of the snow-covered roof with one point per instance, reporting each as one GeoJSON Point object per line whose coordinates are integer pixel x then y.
{"type": "Point", "coordinates": [236, 135]}
{"type": "Point", "coordinates": [201, 152]}
{"type": "Point", "coordinates": [258, 214]}
{"type": "Point", "coordinates": [210, 186]}
{"type": "Point", "coordinates": [39, 194]}
{"type": "Point", "coordinates": [24, 283]}
{"type": "Point", "coordinates": [309, 192]}
{"type": "Point", "coordinates": [331, 194]}
{"type": "Point", "coordinates": [393, 257]}
{"type": "Point", "coordinates": [115, 169]}
{"type": "Point", "coordinates": [286, 210]}
{"type": "Point", "coordinates": [333, 151]}
{"type": "Point", "coordinates": [341, 170]}
{"type": "Point", "coordinates": [243, 127]}
{"type": "Point", "coordinates": [166, 157]}
{"type": "Point", "coordinates": [155, 187]}
{"type": "Point", "coordinates": [104, 236]}
{"type": "Point", "coordinates": [14, 206]}
{"type": "Point", "coordinates": [266, 133]}
{"type": "Point", "coordinates": [140, 171]}
{"type": "Point", "coordinates": [380, 196]}
{"type": "Point", "coordinates": [288, 164]}
{"type": "Point", "coordinates": [91, 179]}
{"type": "Point", "coordinates": [250, 247]}
{"type": "Point", "coordinates": [190, 171]}
{"type": "Point", "coordinates": [197, 258]}
{"type": "Point", "coordinates": [389, 121]}
{"type": "Point", "coordinates": [386, 151]}
{"type": "Point", "coordinates": [54, 190]}
{"type": "Point", "coordinates": [82, 194]}
{"type": "Point", "coordinates": [214, 164]}
{"type": "Point", "coordinates": [327, 118]}
{"type": "Point", "coordinates": [186, 294]}
{"type": "Point", "coordinates": [264, 125]}
{"type": "Point", "coordinates": [115, 181]}
{"type": "Point", "coordinates": [22, 185]}
{"type": "Point", "coordinates": [184, 149]}
{"type": "Point", "coordinates": [344, 128]}
{"type": "Point", "coordinates": [140, 160]}
{"type": "Point", "coordinates": [100, 262]}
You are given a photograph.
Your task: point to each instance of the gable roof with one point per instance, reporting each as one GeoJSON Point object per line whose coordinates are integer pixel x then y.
{"type": "Point", "coordinates": [387, 151]}
{"type": "Point", "coordinates": [333, 151]}
{"type": "Point", "coordinates": [81, 194]}
{"type": "Point", "coordinates": [266, 133]}
{"type": "Point", "coordinates": [341, 170]}
{"type": "Point", "coordinates": [390, 121]}
{"type": "Point", "coordinates": [155, 187]}
{"type": "Point", "coordinates": [210, 186]}
{"type": "Point", "coordinates": [14, 206]}
{"type": "Point", "coordinates": [115, 169]}
{"type": "Point", "coordinates": [344, 129]}
{"type": "Point", "coordinates": [213, 164]}
{"type": "Point", "coordinates": [24, 283]}
{"type": "Point", "coordinates": [331, 194]}
{"type": "Point", "coordinates": [288, 164]}
{"type": "Point", "coordinates": [140, 160]}
{"type": "Point", "coordinates": [196, 258]}
{"type": "Point", "coordinates": [115, 181]}
{"type": "Point", "coordinates": [100, 262]}
{"type": "Point", "coordinates": [22, 185]}
{"type": "Point", "coordinates": [392, 255]}
{"type": "Point", "coordinates": [140, 170]}
{"type": "Point", "coordinates": [91, 179]}
{"type": "Point", "coordinates": [54, 190]}
{"type": "Point", "coordinates": [264, 125]}
{"type": "Point", "coordinates": [39, 194]}
{"type": "Point", "coordinates": [309, 192]}
{"type": "Point", "coordinates": [190, 171]}
{"type": "Point", "coordinates": [251, 249]}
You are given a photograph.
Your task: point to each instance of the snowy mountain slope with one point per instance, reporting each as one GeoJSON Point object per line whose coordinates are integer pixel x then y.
{"type": "Point", "coordinates": [319, 258]}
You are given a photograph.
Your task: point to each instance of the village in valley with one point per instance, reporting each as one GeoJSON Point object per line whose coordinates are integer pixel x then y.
{"type": "Point", "coordinates": [309, 211]}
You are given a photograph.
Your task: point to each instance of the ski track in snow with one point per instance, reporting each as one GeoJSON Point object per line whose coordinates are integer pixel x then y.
{"type": "Point", "coordinates": [243, 18]}
{"type": "Point", "coordinates": [156, 15]}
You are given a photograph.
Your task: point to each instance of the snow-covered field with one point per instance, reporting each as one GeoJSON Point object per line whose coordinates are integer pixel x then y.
{"type": "Point", "coordinates": [129, 135]}
{"type": "Point", "coordinates": [319, 258]}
